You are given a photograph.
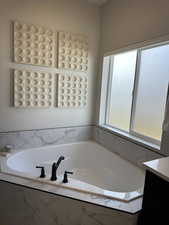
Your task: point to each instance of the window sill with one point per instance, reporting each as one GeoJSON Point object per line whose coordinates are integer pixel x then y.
{"type": "Point", "coordinates": [131, 138]}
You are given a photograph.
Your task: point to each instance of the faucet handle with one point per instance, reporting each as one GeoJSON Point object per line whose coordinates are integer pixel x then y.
{"type": "Point", "coordinates": [65, 178]}
{"type": "Point", "coordinates": [42, 175]}
{"type": "Point", "coordinates": [8, 148]}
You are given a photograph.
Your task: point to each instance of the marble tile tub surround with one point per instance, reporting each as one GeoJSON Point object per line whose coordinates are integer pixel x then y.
{"type": "Point", "coordinates": [46, 208]}
{"type": "Point", "coordinates": [132, 207]}
{"type": "Point", "coordinates": [37, 138]}
{"type": "Point", "coordinates": [165, 142]}
{"type": "Point", "coordinates": [125, 148]}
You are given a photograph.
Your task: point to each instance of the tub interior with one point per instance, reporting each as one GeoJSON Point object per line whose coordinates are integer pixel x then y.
{"type": "Point", "coordinates": [90, 163]}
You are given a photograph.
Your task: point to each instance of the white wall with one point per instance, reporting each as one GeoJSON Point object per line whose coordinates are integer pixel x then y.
{"type": "Point", "coordinates": [125, 23]}
{"type": "Point", "coordinates": [131, 21]}
{"type": "Point", "coordinates": [69, 15]}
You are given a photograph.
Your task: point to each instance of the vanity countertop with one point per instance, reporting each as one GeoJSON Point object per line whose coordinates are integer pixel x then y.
{"type": "Point", "coordinates": [159, 167]}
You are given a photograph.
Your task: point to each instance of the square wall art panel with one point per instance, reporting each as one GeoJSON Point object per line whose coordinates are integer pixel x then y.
{"type": "Point", "coordinates": [33, 45]}
{"type": "Point", "coordinates": [33, 89]}
{"type": "Point", "coordinates": [71, 90]}
{"type": "Point", "coordinates": [73, 52]}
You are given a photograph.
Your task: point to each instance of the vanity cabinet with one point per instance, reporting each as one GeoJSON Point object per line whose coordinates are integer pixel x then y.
{"type": "Point", "coordinates": [155, 208]}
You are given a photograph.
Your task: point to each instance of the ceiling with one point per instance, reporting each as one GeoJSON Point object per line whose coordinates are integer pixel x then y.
{"type": "Point", "coordinates": [98, 2]}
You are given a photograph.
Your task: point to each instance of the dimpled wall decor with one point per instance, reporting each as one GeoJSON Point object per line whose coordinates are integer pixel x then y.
{"type": "Point", "coordinates": [73, 51]}
{"type": "Point", "coordinates": [33, 89]}
{"type": "Point", "coordinates": [71, 90]}
{"type": "Point", "coordinates": [33, 45]}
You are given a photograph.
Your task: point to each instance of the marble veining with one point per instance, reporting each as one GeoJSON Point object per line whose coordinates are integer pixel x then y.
{"type": "Point", "coordinates": [165, 142]}
{"type": "Point", "coordinates": [124, 148]}
{"type": "Point", "coordinates": [37, 138]}
{"type": "Point", "coordinates": [59, 206]}
{"type": "Point", "coordinates": [34, 206]}
{"type": "Point", "coordinates": [41, 208]}
{"type": "Point", "coordinates": [21, 140]}
{"type": "Point", "coordinates": [131, 207]}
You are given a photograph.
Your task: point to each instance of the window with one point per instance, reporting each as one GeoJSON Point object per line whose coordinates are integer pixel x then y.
{"type": "Point", "coordinates": [137, 90]}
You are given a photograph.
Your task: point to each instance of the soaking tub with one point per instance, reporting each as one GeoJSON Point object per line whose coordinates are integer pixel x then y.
{"type": "Point", "coordinates": [95, 169]}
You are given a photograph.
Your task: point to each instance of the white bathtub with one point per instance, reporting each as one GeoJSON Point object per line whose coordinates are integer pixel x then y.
{"type": "Point", "coordinates": [96, 170]}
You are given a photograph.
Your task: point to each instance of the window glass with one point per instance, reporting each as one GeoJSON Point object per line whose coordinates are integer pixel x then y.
{"type": "Point", "coordinates": [120, 96]}
{"type": "Point", "coordinates": [136, 95]}
{"type": "Point", "coordinates": [151, 92]}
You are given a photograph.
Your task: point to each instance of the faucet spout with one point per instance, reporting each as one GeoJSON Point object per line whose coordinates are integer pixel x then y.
{"type": "Point", "coordinates": [59, 160]}
{"type": "Point", "coordinates": [55, 166]}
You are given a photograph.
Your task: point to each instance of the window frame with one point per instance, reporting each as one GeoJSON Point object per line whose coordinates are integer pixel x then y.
{"type": "Point", "coordinates": [107, 78]}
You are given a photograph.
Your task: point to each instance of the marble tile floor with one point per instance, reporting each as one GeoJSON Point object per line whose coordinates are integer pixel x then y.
{"type": "Point", "coordinates": [21, 205]}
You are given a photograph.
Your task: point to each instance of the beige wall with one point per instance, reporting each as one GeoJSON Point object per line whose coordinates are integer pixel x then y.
{"type": "Point", "coordinates": [122, 23]}
{"type": "Point", "coordinates": [130, 21]}
{"type": "Point", "coordinates": [125, 23]}
{"type": "Point", "coordinates": [76, 16]}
